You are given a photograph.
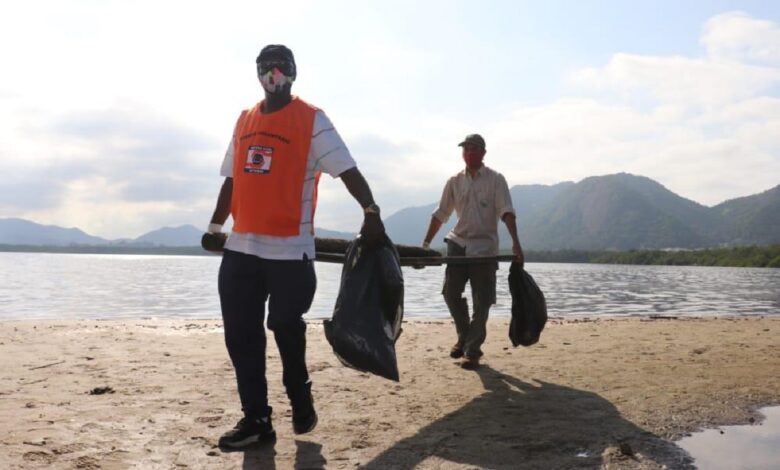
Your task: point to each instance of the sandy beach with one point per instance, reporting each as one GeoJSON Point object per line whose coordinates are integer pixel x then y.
{"type": "Point", "coordinates": [600, 393]}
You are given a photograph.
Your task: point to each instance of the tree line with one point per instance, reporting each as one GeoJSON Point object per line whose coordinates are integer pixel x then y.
{"type": "Point", "coordinates": [745, 256]}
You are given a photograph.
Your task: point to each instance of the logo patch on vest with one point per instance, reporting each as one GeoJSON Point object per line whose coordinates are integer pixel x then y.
{"type": "Point", "coordinates": [258, 159]}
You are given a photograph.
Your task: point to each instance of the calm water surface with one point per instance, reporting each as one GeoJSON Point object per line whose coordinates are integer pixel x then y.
{"type": "Point", "coordinates": [76, 286]}
{"type": "Point", "coordinates": [753, 447]}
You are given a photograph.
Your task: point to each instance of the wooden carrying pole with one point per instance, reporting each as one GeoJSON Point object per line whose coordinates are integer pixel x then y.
{"type": "Point", "coordinates": [331, 250]}
{"type": "Point", "coordinates": [422, 261]}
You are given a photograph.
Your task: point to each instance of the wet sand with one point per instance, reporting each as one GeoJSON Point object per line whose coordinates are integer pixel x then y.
{"type": "Point", "coordinates": [602, 393]}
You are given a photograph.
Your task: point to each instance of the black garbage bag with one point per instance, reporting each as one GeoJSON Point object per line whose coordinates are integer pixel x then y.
{"type": "Point", "coordinates": [529, 310]}
{"type": "Point", "coordinates": [369, 309]}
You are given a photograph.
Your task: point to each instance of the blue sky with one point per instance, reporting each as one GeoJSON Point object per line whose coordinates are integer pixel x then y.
{"type": "Point", "coordinates": [114, 115]}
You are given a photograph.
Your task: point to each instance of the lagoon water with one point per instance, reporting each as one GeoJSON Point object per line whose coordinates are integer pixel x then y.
{"type": "Point", "coordinates": [85, 286]}
{"type": "Point", "coordinates": [753, 447]}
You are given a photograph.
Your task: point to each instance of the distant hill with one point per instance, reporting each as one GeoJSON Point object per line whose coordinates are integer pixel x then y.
{"type": "Point", "coordinates": [325, 233]}
{"type": "Point", "coordinates": [531, 198]}
{"type": "Point", "coordinates": [618, 212]}
{"type": "Point", "coordinates": [611, 212]}
{"type": "Point", "coordinates": [624, 211]}
{"type": "Point", "coordinates": [184, 235]}
{"type": "Point", "coordinates": [408, 226]}
{"type": "Point", "coordinates": [752, 219]}
{"type": "Point", "coordinates": [23, 232]}
{"type": "Point", "coordinates": [701, 218]}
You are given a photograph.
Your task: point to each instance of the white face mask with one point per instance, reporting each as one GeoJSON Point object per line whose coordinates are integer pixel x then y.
{"type": "Point", "coordinates": [274, 81]}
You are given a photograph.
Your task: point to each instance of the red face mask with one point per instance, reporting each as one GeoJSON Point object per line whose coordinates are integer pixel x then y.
{"type": "Point", "coordinates": [473, 159]}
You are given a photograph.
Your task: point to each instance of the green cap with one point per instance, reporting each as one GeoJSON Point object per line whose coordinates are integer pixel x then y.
{"type": "Point", "coordinates": [475, 139]}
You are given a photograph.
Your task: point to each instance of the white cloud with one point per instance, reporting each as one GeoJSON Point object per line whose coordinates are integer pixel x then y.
{"type": "Point", "coordinates": [118, 124]}
{"type": "Point", "coordinates": [108, 171]}
{"type": "Point", "coordinates": [733, 150]}
{"type": "Point", "coordinates": [737, 36]}
{"type": "Point", "coordinates": [705, 126]}
{"type": "Point", "coordinates": [689, 82]}
{"type": "Point", "coordinates": [741, 61]}
{"type": "Point", "coordinates": [759, 108]}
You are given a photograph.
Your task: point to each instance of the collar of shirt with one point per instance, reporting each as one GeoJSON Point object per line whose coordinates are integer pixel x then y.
{"type": "Point", "coordinates": [478, 174]}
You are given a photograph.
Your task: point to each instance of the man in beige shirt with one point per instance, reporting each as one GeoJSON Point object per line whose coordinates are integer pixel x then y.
{"type": "Point", "coordinates": [480, 197]}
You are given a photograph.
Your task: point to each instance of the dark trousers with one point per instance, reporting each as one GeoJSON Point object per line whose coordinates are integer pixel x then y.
{"type": "Point", "coordinates": [482, 277]}
{"type": "Point", "coordinates": [245, 283]}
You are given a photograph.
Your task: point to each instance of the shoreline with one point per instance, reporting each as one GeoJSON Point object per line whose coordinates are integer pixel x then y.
{"type": "Point", "coordinates": [500, 316]}
{"type": "Point", "coordinates": [751, 256]}
{"type": "Point", "coordinates": [592, 385]}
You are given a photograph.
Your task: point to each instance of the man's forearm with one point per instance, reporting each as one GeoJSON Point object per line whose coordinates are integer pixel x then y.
{"type": "Point", "coordinates": [357, 187]}
{"type": "Point", "coordinates": [511, 225]}
{"type": "Point", "coordinates": [222, 211]}
{"type": "Point", "coordinates": [373, 230]}
{"type": "Point", "coordinates": [433, 228]}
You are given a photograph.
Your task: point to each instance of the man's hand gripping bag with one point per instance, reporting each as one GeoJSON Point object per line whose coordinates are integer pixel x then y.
{"type": "Point", "coordinates": [369, 309]}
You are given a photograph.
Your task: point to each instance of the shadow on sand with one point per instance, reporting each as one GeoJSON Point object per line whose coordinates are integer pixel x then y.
{"type": "Point", "coordinates": [308, 455]}
{"type": "Point", "coordinates": [515, 424]}
{"type": "Point", "coordinates": [258, 456]}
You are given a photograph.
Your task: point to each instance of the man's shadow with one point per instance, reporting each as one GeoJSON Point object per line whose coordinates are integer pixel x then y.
{"type": "Point", "coordinates": [257, 456]}
{"type": "Point", "coordinates": [515, 424]}
{"type": "Point", "coordinates": [308, 455]}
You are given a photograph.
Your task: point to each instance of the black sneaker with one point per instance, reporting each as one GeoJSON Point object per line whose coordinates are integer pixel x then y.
{"type": "Point", "coordinates": [248, 431]}
{"type": "Point", "coordinates": [456, 351]}
{"type": "Point", "coordinates": [304, 417]}
{"type": "Point", "coordinates": [472, 360]}
{"type": "Point", "coordinates": [471, 363]}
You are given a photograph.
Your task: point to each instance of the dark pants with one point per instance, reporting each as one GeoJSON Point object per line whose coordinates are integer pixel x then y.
{"type": "Point", "coordinates": [482, 277]}
{"type": "Point", "coordinates": [245, 283]}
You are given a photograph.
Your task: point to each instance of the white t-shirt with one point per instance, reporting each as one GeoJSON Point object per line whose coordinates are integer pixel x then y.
{"type": "Point", "coordinates": [327, 154]}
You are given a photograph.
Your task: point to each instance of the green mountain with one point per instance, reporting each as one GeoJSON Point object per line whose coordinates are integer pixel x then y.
{"type": "Point", "coordinates": [618, 212]}
{"type": "Point", "coordinates": [531, 198]}
{"type": "Point", "coordinates": [751, 220]}
{"type": "Point", "coordinates": [408, 226]}
{"type": "Point", "coordinates": [703, 220]}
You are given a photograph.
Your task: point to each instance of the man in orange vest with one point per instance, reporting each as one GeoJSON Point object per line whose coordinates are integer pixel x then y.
{"type": "Point", "coordinates": [271, 168]}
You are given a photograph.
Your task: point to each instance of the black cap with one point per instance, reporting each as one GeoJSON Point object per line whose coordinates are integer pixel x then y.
{"type": "Point", "coordinates": [275, 51]}
{"type": "Point", "coordinates": [475, 139]}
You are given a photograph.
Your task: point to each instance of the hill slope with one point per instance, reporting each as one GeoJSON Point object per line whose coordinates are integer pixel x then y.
{"type": "Point", "coordinates": [23, 232]}
{"type": "Point", "coordinates": [751, 220]}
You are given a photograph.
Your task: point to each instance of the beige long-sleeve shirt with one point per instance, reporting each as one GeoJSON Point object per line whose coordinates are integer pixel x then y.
{"type": "Point", "coordinates": [479, 203]}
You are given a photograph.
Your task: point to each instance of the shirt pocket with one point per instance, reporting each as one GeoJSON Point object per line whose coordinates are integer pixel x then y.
{"type": "Point", "coordinates": [484, 198]}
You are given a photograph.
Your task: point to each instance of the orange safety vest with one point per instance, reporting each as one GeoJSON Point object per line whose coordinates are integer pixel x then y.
{"type": "Point", "coordinates": [269, 165]}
